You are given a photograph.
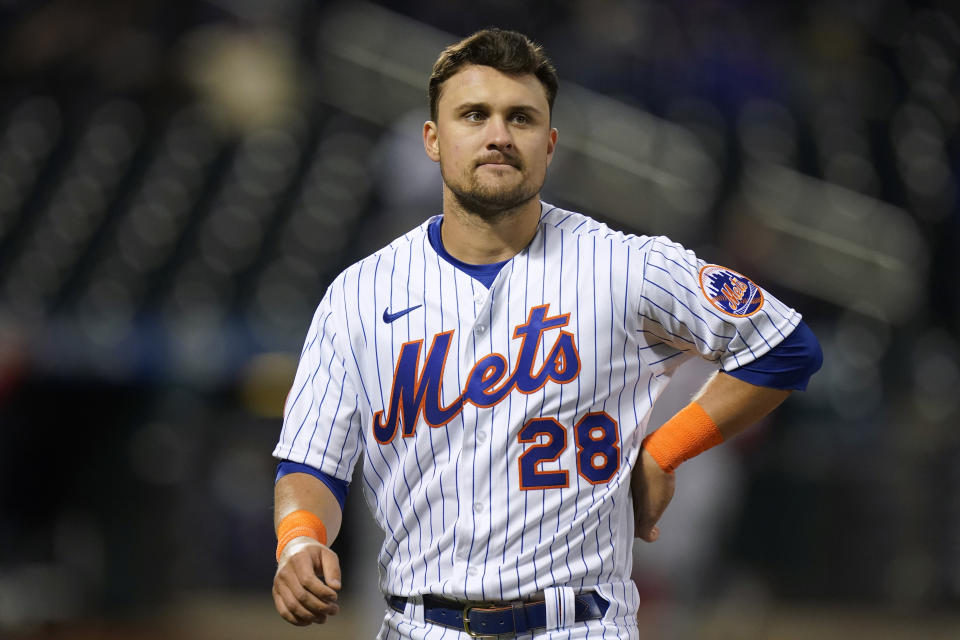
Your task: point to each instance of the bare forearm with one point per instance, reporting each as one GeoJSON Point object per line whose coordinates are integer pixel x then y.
{"type": "Point", "coordinates": [734, 404]}
{"type": "Point", "coordinates": [308, 580]}
{"type": "Point", "coordinates": [731, 405]}
{"type": "Point", "coordinates": [296, 491]}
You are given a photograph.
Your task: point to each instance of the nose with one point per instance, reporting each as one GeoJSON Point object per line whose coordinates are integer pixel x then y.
{"type": "Point", "coordinates": [498, 134]}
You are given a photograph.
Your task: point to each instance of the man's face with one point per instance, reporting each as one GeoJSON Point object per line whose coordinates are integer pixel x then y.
{"type": "Point", "coordinates": [492, 138]}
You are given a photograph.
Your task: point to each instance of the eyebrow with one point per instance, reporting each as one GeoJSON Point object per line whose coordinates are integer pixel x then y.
{"type": "Point", "coordinates": [485, 106]}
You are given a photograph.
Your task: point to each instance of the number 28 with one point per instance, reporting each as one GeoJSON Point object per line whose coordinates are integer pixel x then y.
{"type": "Point", "coordinates": [598, 451]}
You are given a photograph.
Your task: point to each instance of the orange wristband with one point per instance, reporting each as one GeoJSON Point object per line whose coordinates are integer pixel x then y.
{"type": "Point", "coordinates": [299, 523]}
{"type": "Point", "coordinates": [689, 433]}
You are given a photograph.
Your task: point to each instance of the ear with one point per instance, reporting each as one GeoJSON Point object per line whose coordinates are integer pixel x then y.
{"type": "Point", "coordinates": [551, 145]}
{"type": "Point", "coordinates": [431, 140]}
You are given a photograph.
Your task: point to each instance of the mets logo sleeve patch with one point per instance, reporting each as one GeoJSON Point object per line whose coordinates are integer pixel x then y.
{"type": "Point", "coordinates": [730, 292]}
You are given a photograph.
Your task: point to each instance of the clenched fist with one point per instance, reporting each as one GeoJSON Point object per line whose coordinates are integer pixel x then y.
{"type": "Point", "coordinates": [307, 581]}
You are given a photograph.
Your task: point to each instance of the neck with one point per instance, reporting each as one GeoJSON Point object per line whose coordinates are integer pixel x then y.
{"type": "Point", "coordinates": [485, 238]}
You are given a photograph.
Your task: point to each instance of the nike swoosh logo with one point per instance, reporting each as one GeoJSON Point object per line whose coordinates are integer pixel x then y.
{"type": "Point", "coordinates": [390, 317]}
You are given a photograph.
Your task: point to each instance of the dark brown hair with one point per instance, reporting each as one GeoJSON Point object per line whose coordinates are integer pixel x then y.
{"type": "Point", "coordinates": [507, 51]}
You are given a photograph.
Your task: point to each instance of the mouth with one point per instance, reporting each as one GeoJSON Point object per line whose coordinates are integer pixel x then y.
{"type": "Point", "coordinates": [498, 161]}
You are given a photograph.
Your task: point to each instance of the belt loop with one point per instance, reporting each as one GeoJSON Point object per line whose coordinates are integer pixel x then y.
{"type": "Point", "coordinates": [561, 607]}
{"type": "Point", "coordinates": [520, 624]}
{"type": "Point", "coordinates": [415, 608]}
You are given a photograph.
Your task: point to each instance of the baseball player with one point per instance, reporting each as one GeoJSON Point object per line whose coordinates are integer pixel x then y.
{"type": "Point", "coordinates": [496, 366]}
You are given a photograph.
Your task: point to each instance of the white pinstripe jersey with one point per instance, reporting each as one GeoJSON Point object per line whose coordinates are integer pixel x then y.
{"type": "Point", "coordinates": [499, 427]}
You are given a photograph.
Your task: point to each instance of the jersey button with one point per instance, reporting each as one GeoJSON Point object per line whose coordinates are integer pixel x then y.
{"type": "Point", "coordinates": [478, 298]}
{"type": "Point", "coordinates": [481, 436]}
{"type": "Point", "coordinates": [477, 507]}
{"type": "Point", "coordinates": [472, 571]}
{"type": "Point", "coordinates": [480, 328]}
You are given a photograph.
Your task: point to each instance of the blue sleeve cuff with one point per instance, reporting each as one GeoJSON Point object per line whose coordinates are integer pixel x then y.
{"type": "Point", "coordinates": [337, 486]}
{"type": "Point", "coordinates": [788, 366]}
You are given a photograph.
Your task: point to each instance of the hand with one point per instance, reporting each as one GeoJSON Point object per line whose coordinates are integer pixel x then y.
{"type": "Point", "coordinates": [306, 584]}
{"type": "Point", "coordinates": [651, 489]}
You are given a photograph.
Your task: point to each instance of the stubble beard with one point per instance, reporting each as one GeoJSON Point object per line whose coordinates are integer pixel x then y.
{"type": "Point", "coordinates": [489, 202]}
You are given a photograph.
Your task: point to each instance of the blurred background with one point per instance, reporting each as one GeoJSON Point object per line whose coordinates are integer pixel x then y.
{"type": "Point", "coordinates": [179, 181]}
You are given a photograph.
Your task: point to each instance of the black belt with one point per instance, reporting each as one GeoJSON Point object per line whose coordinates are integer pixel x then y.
{"type": "Point", "coordinates": [479, 619]}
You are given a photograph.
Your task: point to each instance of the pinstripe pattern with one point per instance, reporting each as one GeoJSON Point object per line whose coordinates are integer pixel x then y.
{"type": "Point", "coordinates": [456, 522]}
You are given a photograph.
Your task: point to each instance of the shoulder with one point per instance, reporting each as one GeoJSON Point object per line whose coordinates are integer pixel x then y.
{"type": "Point", "coordinates": [352, 287]}
{"type": "Point", "coordinates": [665, 251]}
{"type": "Point", "coordinates": [583, 228]}
{"type": "Point", "coordinates": [406, 248]}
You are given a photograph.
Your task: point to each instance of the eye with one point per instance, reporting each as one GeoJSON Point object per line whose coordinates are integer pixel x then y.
{"type": "Point", "coordinates": [521, 118]}
{"type": "Point", "coordinates": [473, 116]}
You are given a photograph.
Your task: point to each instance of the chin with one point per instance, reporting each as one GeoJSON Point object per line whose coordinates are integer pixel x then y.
{"type": "Point", "coordinates": [499, 186]}
{"type": "Point", "coordinates": [491, 197]}
{"type": "Point", "coordinates": [501, 201]}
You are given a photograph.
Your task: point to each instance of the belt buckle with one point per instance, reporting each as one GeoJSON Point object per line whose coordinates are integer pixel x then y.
{"type": "Point", "coordinates": [470, 632]}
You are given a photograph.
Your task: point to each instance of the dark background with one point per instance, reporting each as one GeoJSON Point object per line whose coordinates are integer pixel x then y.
{"type": "Point", "coordinates": [179, 181]}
